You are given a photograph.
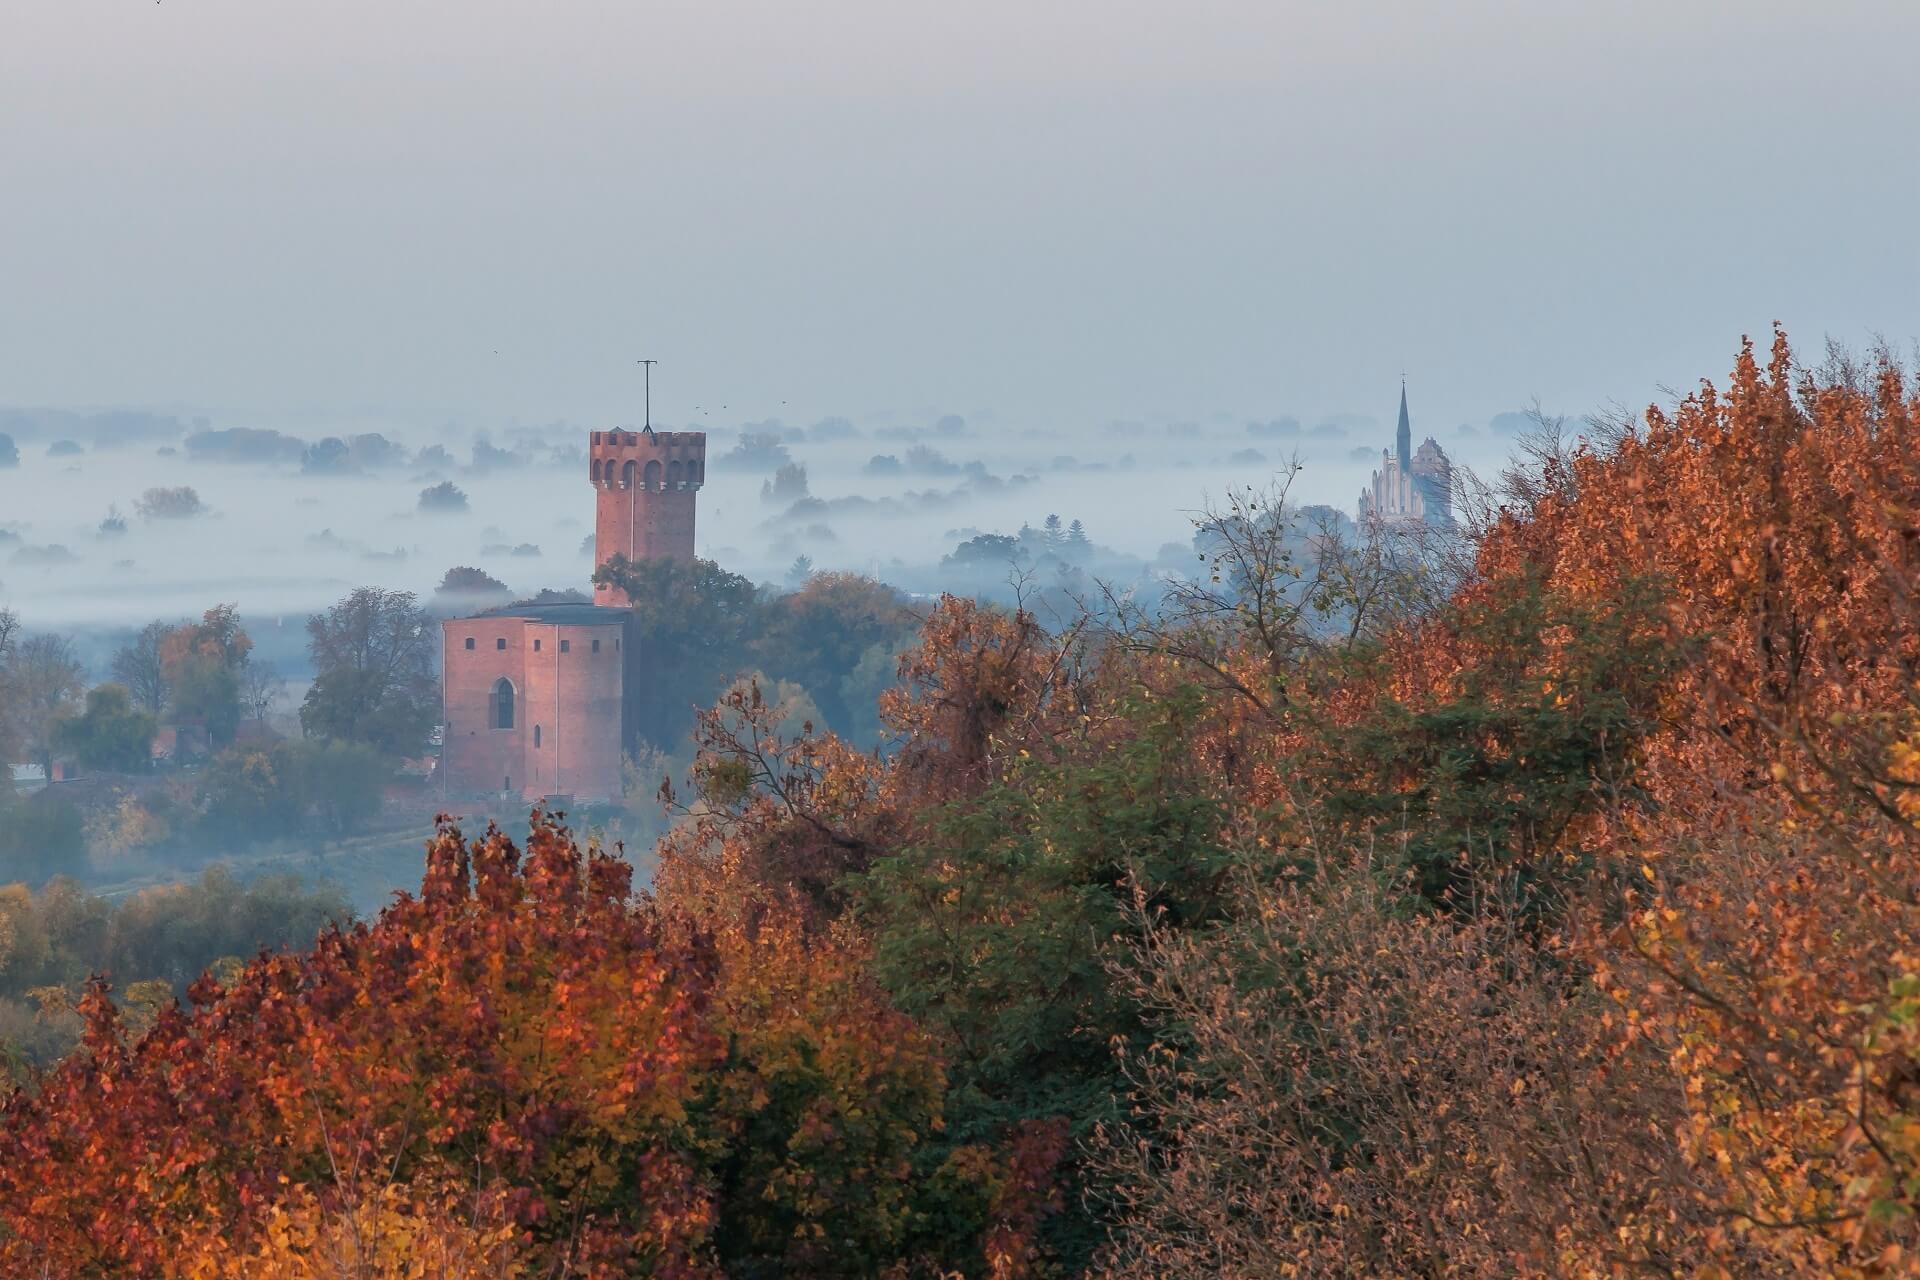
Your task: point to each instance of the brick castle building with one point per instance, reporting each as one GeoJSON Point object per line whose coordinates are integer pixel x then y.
{"type": "Point", "coordinates": [534, 693]}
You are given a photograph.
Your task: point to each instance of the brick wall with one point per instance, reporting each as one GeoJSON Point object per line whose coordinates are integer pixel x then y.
{"type": "Point", "coordinates": [478, 756]}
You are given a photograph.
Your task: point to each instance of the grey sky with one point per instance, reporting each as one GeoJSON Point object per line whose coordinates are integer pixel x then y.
{"type": "Point", "coordinates": [1043, 208]}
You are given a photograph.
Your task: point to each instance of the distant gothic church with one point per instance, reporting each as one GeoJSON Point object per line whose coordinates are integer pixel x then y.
{"type": "Point", "coordinates": [534, 693]}
{"type": "Point", "coordinates": [1411, 487]}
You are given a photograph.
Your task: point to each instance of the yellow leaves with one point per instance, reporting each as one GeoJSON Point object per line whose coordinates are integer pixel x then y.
{"type": "Point", "coordinates": [394, 1234]}
{"type": "Point", "coordinates": [1903, 765]}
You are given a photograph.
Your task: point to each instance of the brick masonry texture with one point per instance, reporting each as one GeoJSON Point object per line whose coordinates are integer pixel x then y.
{"type": "Point", "coordinates": [563, 665]}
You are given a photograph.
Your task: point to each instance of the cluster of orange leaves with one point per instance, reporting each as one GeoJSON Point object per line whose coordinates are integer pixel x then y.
{"type": "Point", "coordinates": [523, 1070]}
{"type": "Point", "coordinates": [1770, 944]}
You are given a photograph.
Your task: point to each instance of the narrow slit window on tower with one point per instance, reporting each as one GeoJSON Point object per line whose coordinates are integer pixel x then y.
{"type": "Point", "coordinates": [469, 642]}
{"type": "Point", "coordinates": [596, 646]}
{"type": "Point", "coordinates": [500, 643]}
{"type": "Point", "coordinates": [503, 703]}
{"type": "Point", "coordinates": [566, 646]}
{"type": "Point", "coordinates": [536, 737]}
{"type": "Point", "coordinates": [536, 644]}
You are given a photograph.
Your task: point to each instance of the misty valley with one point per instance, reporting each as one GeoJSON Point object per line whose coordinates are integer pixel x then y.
{"type": "Point", "coordinates": [1022, 640]}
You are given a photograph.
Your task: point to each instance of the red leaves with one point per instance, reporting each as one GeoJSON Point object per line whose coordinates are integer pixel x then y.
{"type": "Point", "coordinates": [509, 1027]}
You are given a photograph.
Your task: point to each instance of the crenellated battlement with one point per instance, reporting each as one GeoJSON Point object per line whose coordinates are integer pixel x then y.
{"type": "Point", "coordinates": [645, 483]}
{"type": "Point", "coordinates": [652, 461]}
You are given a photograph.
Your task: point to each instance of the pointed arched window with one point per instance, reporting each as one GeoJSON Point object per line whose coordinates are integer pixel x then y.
{"type": "Point", "coordinates": [503, 703]}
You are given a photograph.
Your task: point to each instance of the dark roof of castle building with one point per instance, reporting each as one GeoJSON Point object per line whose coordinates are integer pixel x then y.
{"type": "Point", "coordinates": [562, 614]}
{"type": "Point", "coordinates": [1403, 435]}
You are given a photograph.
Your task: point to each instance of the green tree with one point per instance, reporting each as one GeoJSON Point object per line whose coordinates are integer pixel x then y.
{"type": "Point", "coordinates": [694, 620]}
{"type": "Point", "coordinates": [339, 782]}
{"type": "Point", "coordinates": [817, 637]}
{"type": "Point", "coordinates": [110, 735]}
{"type": "Point", "coordinates": [995, 551]}
{"type": "Point", "coordinates": [1000, 930]}
{"type": "Point", "coordinates": [250, 794]}
{"type": "Point", "coordinates": [40, 836]}
{"type": "Point", "coordinates": [176, 932]}
{"type": "Point", "coordinates": [257, 794]}
{"type": "Point", "coordinates": [860, 689]}
{"type": "Point", "coordinates": [205, 691]}
{"type": "Point", "coordinates": [445, 497]}
{"type": "Point", "coordinates": [373, 657]}
{"type": "Point", "coordinates": [1486, 778]}
{"type": "Point", "coordinates": [464, 588]}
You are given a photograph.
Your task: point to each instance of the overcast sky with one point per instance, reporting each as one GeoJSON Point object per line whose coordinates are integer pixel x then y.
{"type": "Point", "coordinates": [1061, 209]}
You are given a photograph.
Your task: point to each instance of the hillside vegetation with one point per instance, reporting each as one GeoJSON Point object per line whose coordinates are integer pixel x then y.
{"type": "Point", "coordinates": [1365, 911]}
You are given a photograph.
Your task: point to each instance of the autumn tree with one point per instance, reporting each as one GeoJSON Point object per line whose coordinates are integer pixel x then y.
{"type": "Point", "coordinates": [1341, 1082]}
{"type": "Point", "coordinates": [1766, 938]}
{"type": "Point", "coordinates": [201, 663]}
{"type": "Point", "coordinates": [1702, 1067]}
{"type": "Point", "coordinates": [625, 1090]}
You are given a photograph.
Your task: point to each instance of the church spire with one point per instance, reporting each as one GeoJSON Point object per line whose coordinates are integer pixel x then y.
{"type": "Point", "coordinates": [1403, 438]}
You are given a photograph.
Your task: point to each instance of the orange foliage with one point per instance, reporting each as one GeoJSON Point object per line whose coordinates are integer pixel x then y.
{"type": "Point", "coordinates": [512, 1027]}
{"type": "Point", "coordinates": [521, 1067]}
{"type": "Point", "coordinates": [1771, 950]}
{"type": "Point", "coordinates": [1704, 1060]}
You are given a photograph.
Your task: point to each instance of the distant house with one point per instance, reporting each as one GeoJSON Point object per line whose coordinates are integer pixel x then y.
{"type": "Point", "coordinates": [180, 743]}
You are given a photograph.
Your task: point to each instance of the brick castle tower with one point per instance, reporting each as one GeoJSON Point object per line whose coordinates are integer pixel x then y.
{"type": "Point", "coordinates": [534, 693]}
{"type": "Point", "coordinates": [644, 484]}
